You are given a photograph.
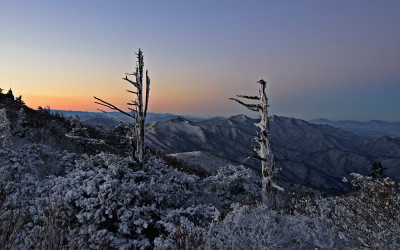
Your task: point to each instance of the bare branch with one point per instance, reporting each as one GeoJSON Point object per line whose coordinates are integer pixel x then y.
{"type": "Point", "coordinates": [102, 129]}
{"type": "Point", "coordinates": [96, 141]}
{"type": "Point", "coordinates": [109, 105]}
{"type": "Point", "coordinates": [103, 105]}
{"type": "Point", "coordinates": [249, 97]}
{"type": "Point", "coordinates": [252, 107]}
{"type": "Point", "coordinates": [133, 92]}
{"type": "Point", "coordinates": [147, 93]}
{"type": "Point", "coordinates": [132, 82]}
{"type": "Point", "coordinates": [135, 103]}
{"type": "Point", "coordinates": [255, 157]}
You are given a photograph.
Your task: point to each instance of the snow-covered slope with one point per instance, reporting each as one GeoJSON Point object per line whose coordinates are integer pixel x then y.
{"type": "Point", "coordinates": [206, 160]}
{"type": "Point", "coordinates": [310, 154]}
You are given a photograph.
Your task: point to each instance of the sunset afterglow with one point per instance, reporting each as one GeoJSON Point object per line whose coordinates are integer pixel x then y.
{"type": "Point", "coordinates": [332, 59]}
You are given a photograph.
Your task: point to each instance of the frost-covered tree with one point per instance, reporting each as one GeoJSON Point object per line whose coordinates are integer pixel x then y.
{"type": "Point", "coordinates": [262, 147]}
{"type": "Point", "coordinates": [21, 124]}
{"type": "Point", "coordinates": [78, 131]}
{"type": "Point", "coordinates": [5, 130]}
{"type": "Point", "coordinates": [139, 110]}
{"type": "Point", "coordinates": [122, 132]}
{"type": "Point", "coordinates": [81, 135]}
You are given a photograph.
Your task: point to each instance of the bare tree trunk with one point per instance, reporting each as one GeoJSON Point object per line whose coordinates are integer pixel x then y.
{"type": "Point", "coordinates": [139, 110]}
{"type": "Point", "coordinates": [262, 148]}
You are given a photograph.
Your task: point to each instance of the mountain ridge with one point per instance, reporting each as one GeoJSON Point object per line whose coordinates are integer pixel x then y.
{"type": "Point", "coordinates": [317, 155]}
{"type": "Point", "coordinates": [311, 154]}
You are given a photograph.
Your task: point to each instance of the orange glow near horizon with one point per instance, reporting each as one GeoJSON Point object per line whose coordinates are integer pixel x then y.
{"type": "Point", "coordinates": [60, 102]}
{"type": "Point", "coordinates": [190, 101]}
{"type": "Point", "coordinates": [157, 103]}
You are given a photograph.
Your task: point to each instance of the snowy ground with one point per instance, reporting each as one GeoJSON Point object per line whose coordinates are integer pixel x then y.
{"type": "Point", "coordinates": [206, 160]}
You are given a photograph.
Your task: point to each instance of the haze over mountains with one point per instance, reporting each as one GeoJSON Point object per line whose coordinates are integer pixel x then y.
{"type": "Point", "coordinates": [94, 118]}
{"type": "Point", "coordinates": [316, 155]}
{"type": "Point", "coordinates": [370, 129]}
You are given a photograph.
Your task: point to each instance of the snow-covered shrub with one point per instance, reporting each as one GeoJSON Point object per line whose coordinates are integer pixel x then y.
{"type": "Point", "coordinates": [230, 185]}
{"type": "Point", "coordinates": [112, 204]}
{"type": "Point", "coordinates": [12, 220]}
{"type": "Point", "coordinates": [369, 217]}
{"type": "Point", "coordinates": [47, 226]}
{"type": "Point", "coordinates": [5, 131]}
{"type": "Point", "coordinates": [97, 201]}
{"type": "Point", "coordinates": [51, 133]}
{"type": "Point", "coordinates": [56, 199]}
{"type": "Point", "coordinates": [185, 228]}
{"type": "Point", "coordinates": [21, 123]}
{"type": "Point", "coordinates": [30, 219]}
{"type": "Point", "coordinates": [258, 227]}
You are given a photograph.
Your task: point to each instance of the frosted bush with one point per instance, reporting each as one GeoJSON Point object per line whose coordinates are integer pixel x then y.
{"type": "Point", "coordinates": [97, 201]}
{"type": "Point", "coordinates": [258, 227]}
{"type": "Point", "coordinates": [369, 217]}
{"type": "Point", "coordinates": [55, 199]}
{"type": "Point", "coordinates": [5, 131]}
{"type": "Point", "coordinates": [232, 184]}
{"type": "Point", "coordinates": [113, 202]}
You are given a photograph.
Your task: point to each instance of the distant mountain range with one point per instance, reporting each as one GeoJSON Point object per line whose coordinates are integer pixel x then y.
{"type": "Point", "coordinates": [370, 129]}
{"type": "Point", "coordinates": [111, 120]}
{"type": "Point", "coordinates": [311, 154]}
{"type": "Point", "coordinates": [314, 154]}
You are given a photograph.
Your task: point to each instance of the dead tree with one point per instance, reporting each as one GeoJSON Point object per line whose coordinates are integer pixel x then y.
{"type": "Point", "coordinates": [137, 108]}
{"type": "Point", "coordinates": [262, 146]}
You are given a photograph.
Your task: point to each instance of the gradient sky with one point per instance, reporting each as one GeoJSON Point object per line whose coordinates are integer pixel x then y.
{"type": "Point", "coordinates": [331, 59]}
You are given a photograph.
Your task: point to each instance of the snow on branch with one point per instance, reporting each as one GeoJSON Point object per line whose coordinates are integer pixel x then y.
{"type": "Point", "coordinates": [263, 147]}
{"type": "Point", "coordinates": [130, 81]}
{"type": "Point", "coordinates": [252, 107]}
{"type": "Point", "coordinates": [249, 97]}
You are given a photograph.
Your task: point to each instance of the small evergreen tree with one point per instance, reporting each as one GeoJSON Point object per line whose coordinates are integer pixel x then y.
{"type": "Point", "coordinates": [9, 96]}
{"type": "Point", "coordinates": [377, 170]}
{"type": "Point", "coordinates": [19, 100]}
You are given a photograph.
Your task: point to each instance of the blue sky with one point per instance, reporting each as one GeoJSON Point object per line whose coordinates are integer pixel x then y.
{"type": "Point", "coordinates": [331, 59]}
